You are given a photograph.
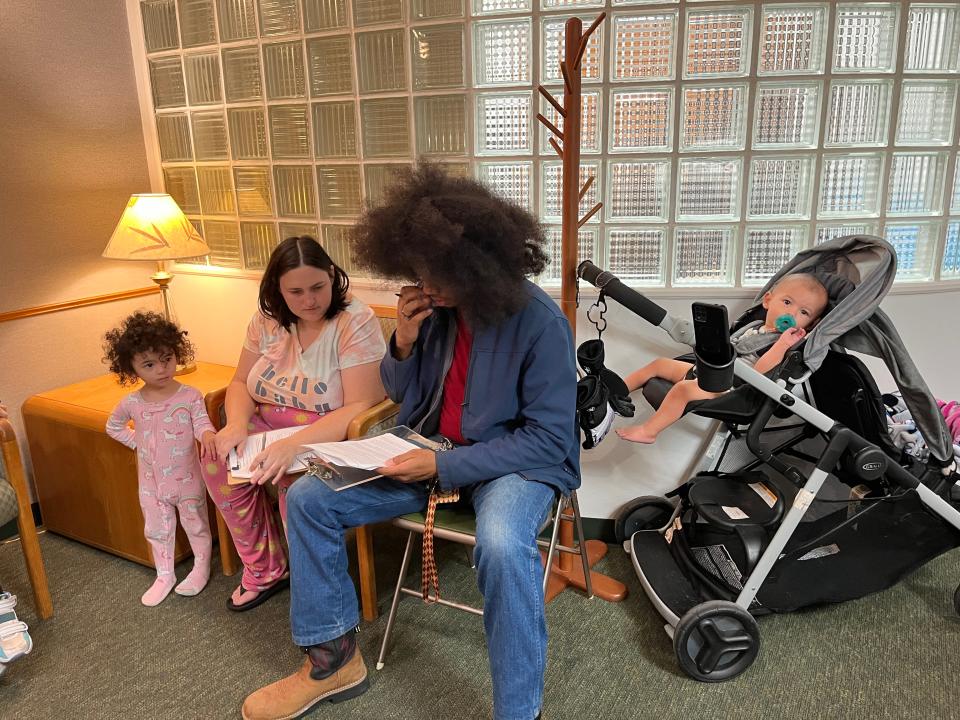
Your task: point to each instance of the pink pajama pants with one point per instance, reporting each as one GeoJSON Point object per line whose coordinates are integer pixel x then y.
{"type": "Point", "coordinates": [247, 508]}
{"type": "Point", "coordinates": [160, 499]}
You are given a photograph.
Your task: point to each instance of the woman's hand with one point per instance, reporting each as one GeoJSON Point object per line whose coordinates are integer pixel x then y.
{"type": "Point", "coordinates": [411, 466]}
{"type": "Point", "coordinates": [208, 446]}
{"type": "Point", "coordinates": [272, 463]}
{"type": "Point", "coordinates": [232, 435]}
{"type": "Point", "coordinates": [413, 307]}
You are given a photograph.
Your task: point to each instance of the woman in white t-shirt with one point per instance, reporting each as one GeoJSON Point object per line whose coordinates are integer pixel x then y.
{"type": "Point", "coordinates": [311, 357]}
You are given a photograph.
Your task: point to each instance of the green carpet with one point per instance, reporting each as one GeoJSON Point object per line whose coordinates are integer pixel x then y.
{"type": "Point", "coordinates": [103, 655]}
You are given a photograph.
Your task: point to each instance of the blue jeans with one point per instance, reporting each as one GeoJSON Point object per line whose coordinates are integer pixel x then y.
{"type": "Point", "coordinates": [509, 510]}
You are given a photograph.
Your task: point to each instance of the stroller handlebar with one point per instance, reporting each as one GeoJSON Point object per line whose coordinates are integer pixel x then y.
{"type": "Point", "coordinates": [679, 329]}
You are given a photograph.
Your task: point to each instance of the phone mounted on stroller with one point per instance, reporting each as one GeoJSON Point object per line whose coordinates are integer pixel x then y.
{"type": "Point", "coordinates": [714, 353]}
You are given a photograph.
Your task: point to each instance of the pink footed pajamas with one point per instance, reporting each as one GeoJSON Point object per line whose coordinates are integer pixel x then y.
{"type": "Point", "coordinates": [168, 469]}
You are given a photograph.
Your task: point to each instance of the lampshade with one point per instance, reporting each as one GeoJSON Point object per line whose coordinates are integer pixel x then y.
{"type": "Point", "coordinates": [153, 227]}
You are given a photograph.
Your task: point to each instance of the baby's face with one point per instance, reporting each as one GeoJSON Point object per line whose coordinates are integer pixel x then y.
{"type": "Point", "coordinates": [797, 299]}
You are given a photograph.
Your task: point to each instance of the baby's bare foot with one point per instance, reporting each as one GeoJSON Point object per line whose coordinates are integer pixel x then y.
{"type": "Point", "coordinates": [637, 434]}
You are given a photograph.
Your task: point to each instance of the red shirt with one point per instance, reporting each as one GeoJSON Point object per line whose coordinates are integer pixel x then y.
{"type": "Point", "coordinates": [455, 385]}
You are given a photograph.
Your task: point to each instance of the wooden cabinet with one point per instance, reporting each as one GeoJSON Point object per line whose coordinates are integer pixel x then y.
{"type": "Point", "coordinates": [86, 481]}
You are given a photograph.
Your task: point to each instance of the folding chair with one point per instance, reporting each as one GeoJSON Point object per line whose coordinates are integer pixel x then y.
{"type": "Point", "coordinates": [458, 524]}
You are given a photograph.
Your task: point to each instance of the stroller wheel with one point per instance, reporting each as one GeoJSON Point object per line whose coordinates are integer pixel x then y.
{"type": "Point", "coordinates": [648, 512]}
{"type": "Point", "coordinates": [716, 641]}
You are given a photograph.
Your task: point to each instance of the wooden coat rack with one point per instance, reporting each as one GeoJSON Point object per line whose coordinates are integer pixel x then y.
{"type": "Point", "coordinates": [565, 571]}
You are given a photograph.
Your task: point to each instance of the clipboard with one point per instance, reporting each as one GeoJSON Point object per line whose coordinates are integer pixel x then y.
{"type": "Point", "coordinates": [340, 477]}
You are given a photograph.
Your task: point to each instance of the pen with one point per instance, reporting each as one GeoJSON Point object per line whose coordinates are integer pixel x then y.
{"type": "Point", "coordinates": [263, 446]}
{"type": "Point", "coordinates": [418, 284]}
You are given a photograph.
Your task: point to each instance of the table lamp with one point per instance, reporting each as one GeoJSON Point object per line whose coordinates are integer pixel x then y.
{"type": "Point", "coordinates": [153, 227]}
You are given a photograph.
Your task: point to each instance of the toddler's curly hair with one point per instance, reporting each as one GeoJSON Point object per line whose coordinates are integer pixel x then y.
{"type": "Point", "coordinates": [458, 232]}
{"type": "Point", "coordinates": [142, 332]}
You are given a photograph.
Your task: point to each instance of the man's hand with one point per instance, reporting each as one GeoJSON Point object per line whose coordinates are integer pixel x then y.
{"type": "Point", "coordinates": [208, 446]}
{"type": "Point", "coordinates": [411, 466]}
{"type": "Point", "coordinates": [413, 307]}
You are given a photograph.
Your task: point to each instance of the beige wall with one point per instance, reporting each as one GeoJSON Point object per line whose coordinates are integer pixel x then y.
{"type": "Point", "coordinates": [72, 152]}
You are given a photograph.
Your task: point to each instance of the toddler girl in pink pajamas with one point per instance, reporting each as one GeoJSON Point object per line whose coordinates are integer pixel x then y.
{"type": "Point", "coordinates": [168, 418]}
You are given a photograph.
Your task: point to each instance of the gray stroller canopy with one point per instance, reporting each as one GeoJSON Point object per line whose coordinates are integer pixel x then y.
{"type": "Point", "coordinates": [857, 271]}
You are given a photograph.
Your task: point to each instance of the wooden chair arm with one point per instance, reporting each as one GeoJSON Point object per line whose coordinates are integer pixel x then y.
{"type": "Point", "coordinates": [28, 531]}
{"type": "Point", "coordinates": [214, 402]}
{"type": "Point", "coordinates": [14, 466]}
{"type": "Point", "coordinates": [6, 431]}
{"type": "Point", "coordinates": [379, 413]}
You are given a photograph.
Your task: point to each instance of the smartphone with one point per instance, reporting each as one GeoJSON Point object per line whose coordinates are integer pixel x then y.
{"type": "Point", "coordinates": [712, 331]}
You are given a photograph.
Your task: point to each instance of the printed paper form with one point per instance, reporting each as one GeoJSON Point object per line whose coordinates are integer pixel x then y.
{"type": "Point", "coordinates": [254, 445]}
{"type": "Point", "coordinates": [366, 454]}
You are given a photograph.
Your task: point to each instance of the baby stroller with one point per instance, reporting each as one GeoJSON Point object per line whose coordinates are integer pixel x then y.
{"type": "Point", "coordinates": [830, 514]}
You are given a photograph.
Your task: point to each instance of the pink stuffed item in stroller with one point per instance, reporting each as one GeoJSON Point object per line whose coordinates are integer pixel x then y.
{"type": "Point", "coordinates": [951, 413]}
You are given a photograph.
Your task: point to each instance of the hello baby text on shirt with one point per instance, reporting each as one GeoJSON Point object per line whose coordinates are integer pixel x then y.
{"type": "Point", "coordinates": [299, 392]}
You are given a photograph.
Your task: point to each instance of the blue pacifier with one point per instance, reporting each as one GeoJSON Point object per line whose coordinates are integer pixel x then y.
{"type": "Point", "coordinates": [785, 322]}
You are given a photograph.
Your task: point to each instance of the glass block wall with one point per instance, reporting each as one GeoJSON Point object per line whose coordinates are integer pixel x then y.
{"type": "Point", "coordinates": [722, 137]}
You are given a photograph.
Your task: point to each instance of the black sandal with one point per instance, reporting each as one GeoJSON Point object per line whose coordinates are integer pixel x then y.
{"type": "Point", "coordinates": [262, 595]}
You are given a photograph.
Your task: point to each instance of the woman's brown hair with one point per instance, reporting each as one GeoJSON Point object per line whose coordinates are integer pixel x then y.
{"type": "Point", "coordinates": [289, 255]}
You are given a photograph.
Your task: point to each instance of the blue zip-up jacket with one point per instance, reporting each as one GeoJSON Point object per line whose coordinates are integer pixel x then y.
{"type": "Point", "coordinates": [519, 409]}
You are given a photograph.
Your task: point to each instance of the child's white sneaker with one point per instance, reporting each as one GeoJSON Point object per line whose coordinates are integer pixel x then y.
{"type": "Point", "coordinates": [15, 640]}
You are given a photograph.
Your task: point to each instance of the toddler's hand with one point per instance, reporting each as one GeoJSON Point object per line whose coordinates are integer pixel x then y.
{"type": "Point", "coordinates": [792, 336]}
{"type": "Point", "coordinates": [208, 446]}
{"type": "Point", "coordinates": [3, 412]}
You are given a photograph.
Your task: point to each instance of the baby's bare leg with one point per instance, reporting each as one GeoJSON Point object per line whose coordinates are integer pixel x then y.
{"type": "Point", "coordinates": [670, 410]}
{"type": "Point", "coordinates": [666, 368]}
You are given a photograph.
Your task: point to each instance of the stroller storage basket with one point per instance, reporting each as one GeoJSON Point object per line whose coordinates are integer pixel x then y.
{"type": "Point", "coordinates": [838, 557]}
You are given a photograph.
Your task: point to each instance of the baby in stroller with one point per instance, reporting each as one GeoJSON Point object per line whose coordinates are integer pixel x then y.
{"type": "Point", "coordinates": [792, 306]}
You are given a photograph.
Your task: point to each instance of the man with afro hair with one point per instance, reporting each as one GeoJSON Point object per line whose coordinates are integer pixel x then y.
{"type": "Point", "coordinates": [484, 358]}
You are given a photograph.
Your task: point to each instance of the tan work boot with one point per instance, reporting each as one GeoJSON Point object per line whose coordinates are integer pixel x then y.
{"type": "Point", "coordinates": [297, 694]}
